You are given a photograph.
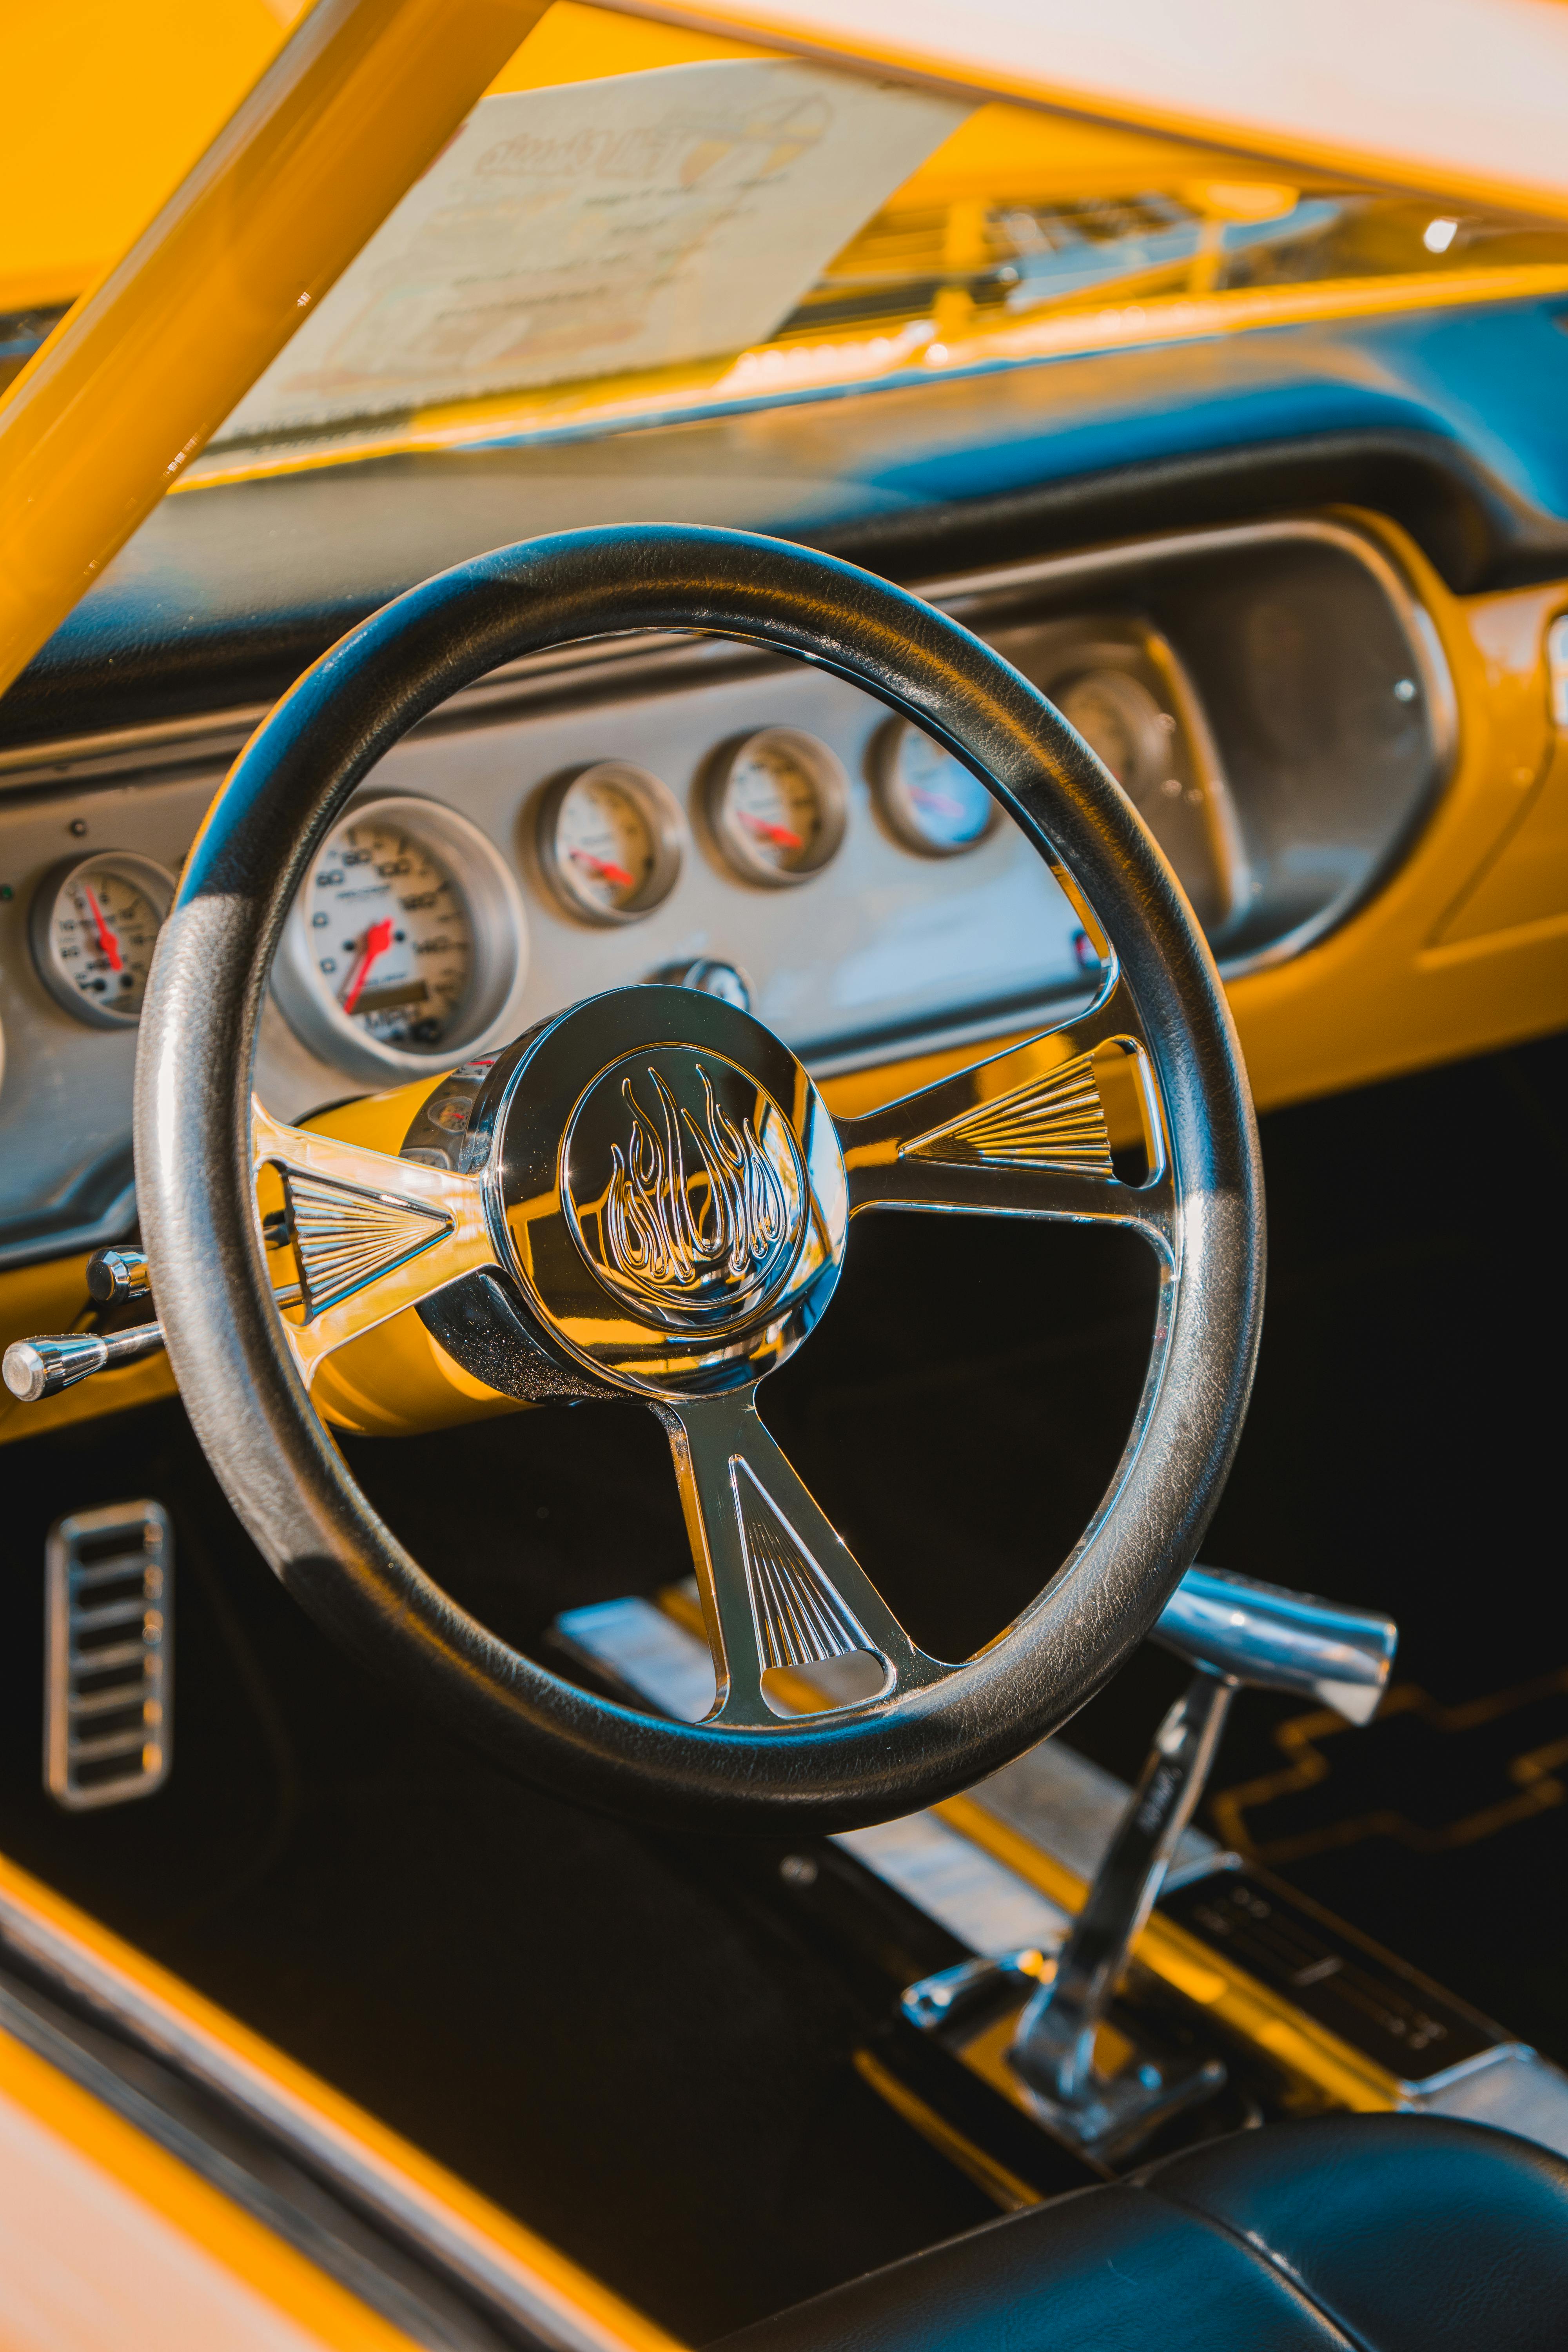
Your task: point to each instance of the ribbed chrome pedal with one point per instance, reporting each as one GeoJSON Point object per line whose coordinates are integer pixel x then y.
{"type": "Point", "coordinates": [108, 1655]}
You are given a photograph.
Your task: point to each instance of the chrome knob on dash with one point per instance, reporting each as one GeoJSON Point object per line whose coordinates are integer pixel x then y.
{"type": "Point", "coordinates": [118, 1275]}
{"type": "Point", "coordinates": [36, 1368]}
{"type": "Point", "coordinates": [710, 976]}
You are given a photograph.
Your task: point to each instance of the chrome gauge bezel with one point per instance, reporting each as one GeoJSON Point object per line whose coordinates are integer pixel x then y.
{"type": "Point", "coordinates": [493, 1010]}
{"type": "Point", "coordinates": [1150, 727]}
{"type": "Point", "coordinates": [890, 792]}
{"type": "Point", "coordinates": [143, 873]}
{"type": "Point", "coordinates": [831, 787]}
{"type": "Point", "coordinates": [666, 830]}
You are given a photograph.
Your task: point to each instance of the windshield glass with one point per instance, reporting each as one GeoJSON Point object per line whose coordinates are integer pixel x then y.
{"type": "Point", "coordinates": [638, 224]}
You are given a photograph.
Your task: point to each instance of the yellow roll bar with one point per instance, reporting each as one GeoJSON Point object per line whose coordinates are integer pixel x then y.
{"type": "Point", "coordinates": [356, 104]}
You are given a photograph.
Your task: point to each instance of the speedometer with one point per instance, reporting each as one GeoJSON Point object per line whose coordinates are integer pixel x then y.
{"type": "Point", "coordinates": [406, 948]}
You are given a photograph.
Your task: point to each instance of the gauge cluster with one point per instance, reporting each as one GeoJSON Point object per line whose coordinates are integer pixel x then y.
{"type": "Point", "coordinates": [703, 812]}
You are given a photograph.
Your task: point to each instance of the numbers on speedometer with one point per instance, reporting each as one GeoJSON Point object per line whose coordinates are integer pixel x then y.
{"type": "Point", "coordinates": [392, 933]}
{"type": "Point", "coordinates": [406, 945]}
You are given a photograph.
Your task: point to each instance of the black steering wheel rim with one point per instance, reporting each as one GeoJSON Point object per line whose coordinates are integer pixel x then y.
{"type": "Point", "coordinates": [287, 1481]}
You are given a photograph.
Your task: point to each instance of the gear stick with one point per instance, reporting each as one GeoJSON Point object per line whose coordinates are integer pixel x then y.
{"type": "Point", "coordinates": [1235, 1631]}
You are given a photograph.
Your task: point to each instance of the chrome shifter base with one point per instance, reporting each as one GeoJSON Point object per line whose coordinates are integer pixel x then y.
{"type": "Point", "coordinates": [1138, 2082]}
{"type": "Point", "coordinates": [1114, 2112]}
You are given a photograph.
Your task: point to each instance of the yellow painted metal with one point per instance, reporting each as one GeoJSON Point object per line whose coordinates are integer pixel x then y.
{"type": "Point", "coordinates": [111, 102]}
{"type": "Point", "coordinates": [107, 414]}
{"type": "Point", "coordinates": [574, 2308]}
{"type": "Point", "coordinates": [118, 99]}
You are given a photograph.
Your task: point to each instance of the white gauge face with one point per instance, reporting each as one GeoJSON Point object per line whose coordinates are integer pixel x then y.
{"type": "Point", "coordinates": [930, 798]}
{"type": "Point", "coordinates": [778, 805]}
{"type": "Point", "coordinates": [609, 842]}
{"type": "Point", "coordinates": [406, 942]}
{"type": "Point", "coordinates": [95, 925]}
{"type": "Point", "coordinates": [392, 939]}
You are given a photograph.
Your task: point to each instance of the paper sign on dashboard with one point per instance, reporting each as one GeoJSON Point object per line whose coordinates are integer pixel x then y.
{"type": "Point", "coordinates": [598, 227]}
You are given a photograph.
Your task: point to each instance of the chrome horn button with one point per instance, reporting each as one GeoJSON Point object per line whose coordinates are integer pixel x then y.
{"type": "Point", "coordinates": [684, 1188]}
{"type": "Point", "coordinates": [667, 1194]}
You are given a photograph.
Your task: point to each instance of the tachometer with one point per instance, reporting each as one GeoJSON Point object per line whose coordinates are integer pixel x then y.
{"type": "Point", "coordinates": [777, 803]}
{"type": "Point", "coordinates": [406, 947]}
{"type": "Point", "coordinates": [929, 798]}
{"type": "Point", "coordinates": [94, 923]}
{"type": "Point", "coordinates": [609, 842]}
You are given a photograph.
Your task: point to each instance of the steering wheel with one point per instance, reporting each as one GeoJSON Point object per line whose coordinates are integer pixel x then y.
{"type": "Point", "coordinates": [653, 1202]}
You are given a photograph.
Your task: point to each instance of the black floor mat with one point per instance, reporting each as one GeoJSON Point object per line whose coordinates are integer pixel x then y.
{"type": "Point", "coordinates": [601, 2027]}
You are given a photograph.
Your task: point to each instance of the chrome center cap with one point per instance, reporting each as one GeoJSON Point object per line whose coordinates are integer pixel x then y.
{"type": "Point", "coordinates": [666, 1192]}
{"type": "Point", "coordinates": [684, 1187]}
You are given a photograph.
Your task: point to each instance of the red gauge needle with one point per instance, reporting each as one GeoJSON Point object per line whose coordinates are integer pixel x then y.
{"type": "Point", "coordinates": [377, 940]}
{"type": "Point", "coordinates": [780, 833]}
{"type": "Point", "coordinates": [106, 938]}
{"type": "Point", "coordinates": [937, 801]}
{"type": "Point", "coordinates": [602, 866]}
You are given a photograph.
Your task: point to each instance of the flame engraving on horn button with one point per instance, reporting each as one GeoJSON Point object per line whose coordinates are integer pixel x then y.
{"type": "Point", "coordinates": [699, 1217]}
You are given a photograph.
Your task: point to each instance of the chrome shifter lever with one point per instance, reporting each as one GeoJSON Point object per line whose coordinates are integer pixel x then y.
{"type": "Point", "coordinates": [1235, 1631]}
{"type": "Point", "coordinates": [1277, 1639]}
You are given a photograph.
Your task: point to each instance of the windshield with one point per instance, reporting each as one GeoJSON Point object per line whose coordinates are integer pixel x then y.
{"type": "Point", "coordinates": [638, 223]}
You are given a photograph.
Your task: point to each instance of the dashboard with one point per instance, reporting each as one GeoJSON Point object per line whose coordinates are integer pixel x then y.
{"type": "Point", "coordinates": [1273, 697]}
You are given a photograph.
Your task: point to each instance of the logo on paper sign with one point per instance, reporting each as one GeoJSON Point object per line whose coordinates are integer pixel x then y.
{"type": "Point", "coordinates": [698, 1211]}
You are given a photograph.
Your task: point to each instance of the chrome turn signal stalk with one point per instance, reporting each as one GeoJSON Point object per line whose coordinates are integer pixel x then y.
{"type": "Point", "coordinates": [116, 1276]}
{"type": "Point", "coordinates": [1235, 1631]}
{"type": "Point", "coordinates": [36, 1368]}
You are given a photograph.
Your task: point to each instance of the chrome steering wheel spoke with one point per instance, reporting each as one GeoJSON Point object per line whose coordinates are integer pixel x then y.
{"type": "Point", "coordinates": [780, 1587]}
{"type": "Point", "coordinates": [371, 1233]}
{"type": "Point", "coordinates": [1025, 1133]}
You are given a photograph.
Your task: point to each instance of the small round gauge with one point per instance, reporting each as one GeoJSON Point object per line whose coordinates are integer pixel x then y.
{"type": "Point", "coordinates": [929, 798]}
{"type": "Point", "coordinates": [94, 922]}
{"type": "Point", "coordinates": [609, 842]}
{"type": "Point", "coordinates": [406, 947]}
{"type": "Point", "coordinates": [1123, 725]}
{"type": "Point", "coordinates": [777, 803]}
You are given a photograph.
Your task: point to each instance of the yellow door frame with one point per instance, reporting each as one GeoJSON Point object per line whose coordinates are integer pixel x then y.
{"type": "Point", "coordinates": [357, 103]}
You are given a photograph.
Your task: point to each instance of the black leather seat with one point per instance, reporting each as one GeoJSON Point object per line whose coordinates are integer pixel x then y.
{"type": "Point", "coordinates": [1369, 2233]}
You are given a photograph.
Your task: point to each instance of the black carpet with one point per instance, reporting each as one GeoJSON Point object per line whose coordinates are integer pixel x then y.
{"type": "Point", "coordinates": [606, 2029]}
